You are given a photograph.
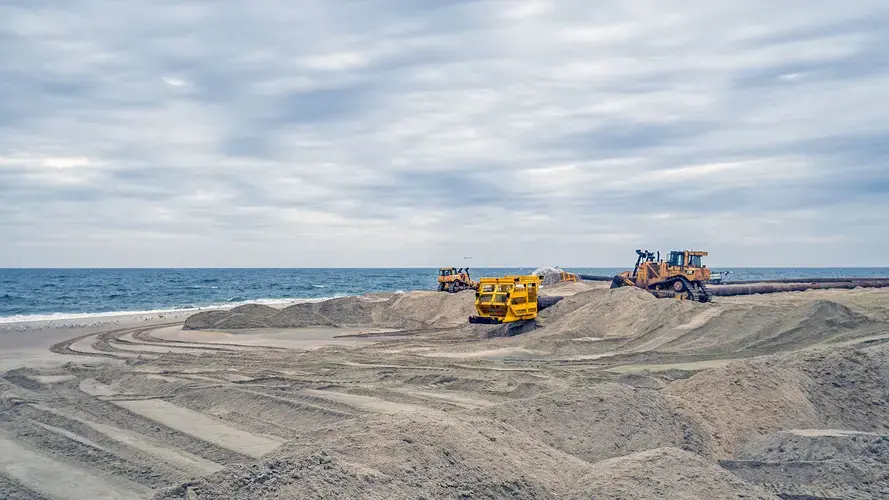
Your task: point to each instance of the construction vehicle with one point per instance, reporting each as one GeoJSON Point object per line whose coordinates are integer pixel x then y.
{"type": "Point", "coordinates": [451, 279]}
{"type": "Point", "coordinates": [682, 275]}
{"type": "Point", "coordinates": [718, 278]}
{"type": "Point", "coordinates": [565, 277]}
{"type": "Point", "coordinates": [555, 275]}
{"type": "Point", "coordinates": [506, 300]}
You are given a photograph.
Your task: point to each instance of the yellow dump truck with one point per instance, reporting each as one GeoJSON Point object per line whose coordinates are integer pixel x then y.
{"type": "Point", "coordinates": [506, 299]}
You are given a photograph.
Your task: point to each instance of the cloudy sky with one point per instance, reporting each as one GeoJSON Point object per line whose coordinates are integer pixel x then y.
{"type": "Point", "coordinates": [414, 133]}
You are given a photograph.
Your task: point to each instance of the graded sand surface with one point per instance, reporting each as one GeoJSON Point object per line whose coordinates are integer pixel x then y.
{"type": "Point", "coordinates": [614, 394]}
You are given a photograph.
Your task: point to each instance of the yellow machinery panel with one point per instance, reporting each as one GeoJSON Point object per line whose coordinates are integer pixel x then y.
{"type": "Point", "coordinates": [506, 299]}
{"type": "Point", "coordinates": [565, 277]}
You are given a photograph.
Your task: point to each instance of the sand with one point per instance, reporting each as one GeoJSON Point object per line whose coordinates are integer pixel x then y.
{"type": "Point", "coordinates": [612, 394]}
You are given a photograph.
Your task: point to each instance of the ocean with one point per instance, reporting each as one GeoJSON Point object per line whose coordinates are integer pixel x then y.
{"type": "Point", "coordinates": [35, 294]}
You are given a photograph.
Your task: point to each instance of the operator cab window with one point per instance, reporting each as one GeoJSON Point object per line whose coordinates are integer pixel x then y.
{"type": "Point", "coordinates": [695, 261]}
{"type": "Point", "coordinates": [676, 259]}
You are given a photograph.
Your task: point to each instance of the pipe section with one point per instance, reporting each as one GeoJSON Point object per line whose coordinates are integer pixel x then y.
{"type": "Point", "coordinates": [751, 289]}
{"type": "Point", "coordinates": [591, 277]}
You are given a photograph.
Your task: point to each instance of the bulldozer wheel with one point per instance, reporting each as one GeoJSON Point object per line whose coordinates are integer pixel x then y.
{"type": "Point", "coordinates": [453, 287]}
{"type": "Point", "coordinates": [680, 286]}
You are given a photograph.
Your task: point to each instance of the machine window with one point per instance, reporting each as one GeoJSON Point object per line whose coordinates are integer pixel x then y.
{"type": "Point", "coordinates": [675, 259]}
{"type": "Point", "coordinates": [485, 297]}
{"type": "Point", "coordinates": [500, 297]}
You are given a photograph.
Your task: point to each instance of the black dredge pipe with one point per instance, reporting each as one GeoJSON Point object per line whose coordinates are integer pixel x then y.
{"type": "Point", "coordinates": [870, 281]}
{"type": "Point", "coordinates": [752, 289]}
{"type": "Point", "coordinates": [543, 301]}
{"type": "Point", "coordinates": [591, 277]}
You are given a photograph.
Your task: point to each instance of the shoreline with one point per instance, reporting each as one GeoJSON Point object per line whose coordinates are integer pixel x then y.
{"type": "Point", "coordinates": [105, 317]}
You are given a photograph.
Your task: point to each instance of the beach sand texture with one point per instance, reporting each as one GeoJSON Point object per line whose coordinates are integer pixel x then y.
{"type": "Point", "coordinates": [615, 394]}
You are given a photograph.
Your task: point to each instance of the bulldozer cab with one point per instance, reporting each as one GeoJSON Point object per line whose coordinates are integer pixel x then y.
{"type": "Point", "coordinates": [686, 258]}
{"type": "Point", "coordinates": [447, 271]}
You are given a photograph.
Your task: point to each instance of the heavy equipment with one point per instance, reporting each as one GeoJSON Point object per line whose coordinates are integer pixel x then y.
{"type": "Point", "coordinates": [555, 275]}
{"type": "Point", "coordinates": [506, 299]}
{"type": "Point", "coordinates": [566, 277]}
{"type": "Point", "coordinates": [682, 275]}
{"type": "Point", "coordinates": [451, 279]}
{"type": "Point", "coordinates": [718, 278]}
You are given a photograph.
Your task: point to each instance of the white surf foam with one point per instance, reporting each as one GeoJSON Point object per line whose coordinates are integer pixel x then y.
{"type": "Point", "coordinates": [64, 316]}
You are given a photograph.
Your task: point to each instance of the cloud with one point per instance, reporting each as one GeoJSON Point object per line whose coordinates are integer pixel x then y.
{"type": "Point", "coordinates": [173, 82]}
{"type": "Point", "coordinates": [395, 133]}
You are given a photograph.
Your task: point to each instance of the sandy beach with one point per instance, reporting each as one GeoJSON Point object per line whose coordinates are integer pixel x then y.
{"type": "Point", "coordinates": [616, 394]}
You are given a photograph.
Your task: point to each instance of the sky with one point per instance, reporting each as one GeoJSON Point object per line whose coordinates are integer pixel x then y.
{"type": "Point", "coordinates": [343, 133]}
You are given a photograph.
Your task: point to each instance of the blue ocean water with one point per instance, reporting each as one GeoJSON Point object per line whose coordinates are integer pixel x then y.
{"type": "Point", "coordinates": [38, 293]}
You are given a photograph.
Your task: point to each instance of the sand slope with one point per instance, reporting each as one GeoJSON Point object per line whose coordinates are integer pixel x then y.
{"type": "Point", "coordinates": [410, 310]}
{"type": "Point", "coordinates": [842, 389]}
{"type": "Point", "coordinates": [664, 473]}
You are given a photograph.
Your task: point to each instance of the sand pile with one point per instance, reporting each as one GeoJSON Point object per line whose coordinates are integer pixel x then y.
{"type": "Point", "coordinates": [664, 473]}
{"type": "Point", "coordinates": [549, 275]}
{"type": "Point", "coordinates": [815, 445]}
{"type": "Point", "coordinates": [411, 310]}
{"type": "Point", "coordinates": [405, 456]}
{"type": "Point", "coordinates": [600, 421]}
{"type": "Point", "coordinates": [296, 316]}
{"type": "Point", "coordinates": [427, 309]}
{"type": "Point", "coordinates": [571, 288]}
{"type": "Point", "coordinates": [623, 313]}
{"type": "Point", "coordinates": [434, 455]}
{"type": "Point", "coordinates": [620, 313]}
{"type": "Point", "coordinates": [204, 320]}
{"type": "Point", "coordinates": [631, 323]}
{"type": "Point", "coordinates": [260, 310]}
{"type": "Point", "coordinates": [746, 400]}
{"type": "Point", "coordinates": [770, 328]}
{"type": "Point", "coordinates": [817, 463]}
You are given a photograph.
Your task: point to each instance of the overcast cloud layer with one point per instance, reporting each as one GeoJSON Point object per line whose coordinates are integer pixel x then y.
{"type": "Point", "coordinates": [414, 133]}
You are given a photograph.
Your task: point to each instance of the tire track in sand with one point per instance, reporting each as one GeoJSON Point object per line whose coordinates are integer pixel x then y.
{"type": "Point", "coordinates": [55, 479]}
